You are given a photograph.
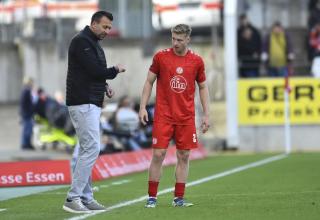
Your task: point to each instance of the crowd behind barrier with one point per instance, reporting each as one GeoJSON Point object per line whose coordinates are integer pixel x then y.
{"type": "Point", "coordinates": [121, 129]}
{"type": "Point", "coordinates": [271, 55]}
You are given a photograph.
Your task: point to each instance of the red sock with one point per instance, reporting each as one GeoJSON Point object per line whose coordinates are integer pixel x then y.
{"type": "Point", "coordinates": [153, 188]}
{"type": "Point", "coordinates": [179, 190]}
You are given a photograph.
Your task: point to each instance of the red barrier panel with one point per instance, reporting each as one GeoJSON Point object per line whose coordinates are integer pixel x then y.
{"type": "Point", "coordinates": [129, 162]}
{"type": "Point", "coordinates": [54, 172]}
{"type": "Point", "coordinates": [30, 173]}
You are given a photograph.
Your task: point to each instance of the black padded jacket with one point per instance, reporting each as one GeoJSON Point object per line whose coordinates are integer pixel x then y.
{"type": "Point", "coordinates": [87, 70]}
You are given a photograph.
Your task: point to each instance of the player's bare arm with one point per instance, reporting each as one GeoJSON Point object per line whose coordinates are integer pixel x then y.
{"type": "Point", "coordinates": [146, 92]}
{"type": "Point", "coordinates": [204, 98]}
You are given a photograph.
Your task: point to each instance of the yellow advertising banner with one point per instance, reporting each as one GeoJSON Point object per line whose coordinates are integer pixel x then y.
{"type": "Point", "coordinates": [261, 101]}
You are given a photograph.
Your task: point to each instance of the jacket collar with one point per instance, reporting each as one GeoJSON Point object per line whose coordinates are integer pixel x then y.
{"type": "Point", "coordinates": [87, 31]}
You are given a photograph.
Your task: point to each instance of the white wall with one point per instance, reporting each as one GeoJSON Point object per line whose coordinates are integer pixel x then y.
{"type": "Point", "coordinates": [10, 73]}
{"type": "Point", "coordinates": [41, 61]}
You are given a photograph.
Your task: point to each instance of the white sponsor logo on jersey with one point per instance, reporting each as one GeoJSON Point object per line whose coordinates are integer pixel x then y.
{"type": "Point", "coordinates": [178, 84]}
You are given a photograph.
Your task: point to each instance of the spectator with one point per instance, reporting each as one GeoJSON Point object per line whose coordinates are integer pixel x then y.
{"type": "Point", "coordinates": [40, 105]}
{"type": "Point", "coordinates": [314, 16]}
{"type": "Point", "coordinates": [126, 118]}
{"type": "Point", "coordinates": [55, 111]}
{"type": "Point", "coordinates": [312, 4]}
{"type": "Point", "coordinates": [315, 48]}
{"type": "Point", "coordinates": [314, 40]}
{"type": "Point", "coordinates": [245, 24]}
{"type": "Point", "coordinates": [313, 19]}
{"type": "Point", "coordinates": [59, 114]}
{"type": "Point", "coordinates": [26, 113]}
{"type": "Point", "coordinates": [249, 47]}
{"type": "Point", "coordinates": [277, 50]}
{"type": "Point", "coordinates": [249, 52]}
{"type": "Point", "coordinates": [127, 121]}
{"type": "Point", "coordinates": [121, 130]}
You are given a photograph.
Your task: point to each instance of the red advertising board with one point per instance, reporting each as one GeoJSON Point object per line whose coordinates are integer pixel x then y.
{"type": "Point", "coordinates": [54, 172]}
{"type": "Point", "coordinates": [30, 173]}
{"type": "Point", "coordinates": [129, 162]}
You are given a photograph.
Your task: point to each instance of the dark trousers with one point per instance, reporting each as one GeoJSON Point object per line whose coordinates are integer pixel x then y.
{"type": "Point", "coordinates": [27, 126]}
{"type": "Point", "coordinates": [277, 71]}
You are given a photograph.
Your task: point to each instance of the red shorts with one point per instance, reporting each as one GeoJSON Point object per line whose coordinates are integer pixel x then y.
{"type": "Point", "coordinates": [185, 136]}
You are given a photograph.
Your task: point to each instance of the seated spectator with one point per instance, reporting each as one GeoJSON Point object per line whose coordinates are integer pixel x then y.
{"type": "Point", "coordinates": [55, 111]}
{"type": "Point", "coordinates": [147, 129]}
{"type": "Point", "coordinates": [277, 51]}
{"type": "Point", "coordinates": [121, 130]}
{"type": "Point", "coordinates": [40, 105]}
{"type": "Point", "coordinates": [127, 121]}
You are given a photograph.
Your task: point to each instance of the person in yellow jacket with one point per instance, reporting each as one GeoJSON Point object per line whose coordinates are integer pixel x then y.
{"type": "Point", "coordinates": [277, 51]}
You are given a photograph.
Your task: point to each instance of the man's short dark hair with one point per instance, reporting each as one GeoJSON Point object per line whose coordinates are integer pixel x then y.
{"type": "Point", "coordinates": [99, 14]}
{"type": "Point", "coordinates": [277, 24]}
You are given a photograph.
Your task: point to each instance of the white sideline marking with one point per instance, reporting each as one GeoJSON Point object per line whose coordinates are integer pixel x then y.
{"type": "Point", "coordinates": [264, 193]}
{"type": "Point", "coordinates": [52, 193]}
{"type": "Point", "coordinates": [193, 183]}
{"type": "Point", "coordinates": [95, 188]}
{"type": "Point", "coordinates": [1, 210]}
{"type": "Point", "coordinates": [116, 183]}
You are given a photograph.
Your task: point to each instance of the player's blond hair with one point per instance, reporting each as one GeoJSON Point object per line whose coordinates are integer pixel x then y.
{"type": "Point", "coordinates": [182, 29]}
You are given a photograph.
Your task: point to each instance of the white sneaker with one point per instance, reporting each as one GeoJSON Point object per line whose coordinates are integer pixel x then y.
{"type": "Point", "coordinates": [94, 206]}
{"type": "Point", "coordinates": [75, 206]}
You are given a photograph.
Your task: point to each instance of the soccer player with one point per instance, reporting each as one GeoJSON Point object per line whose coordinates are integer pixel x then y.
{"type": "Point", "coordinates": [176, 70]}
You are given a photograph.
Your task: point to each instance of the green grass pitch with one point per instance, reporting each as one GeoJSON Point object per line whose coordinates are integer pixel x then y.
{"type": "Point", "coordinates": [284, 189]}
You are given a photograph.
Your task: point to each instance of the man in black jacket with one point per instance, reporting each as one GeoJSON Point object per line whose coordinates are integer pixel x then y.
{"type": "Point", "coordinates": [86, 86]}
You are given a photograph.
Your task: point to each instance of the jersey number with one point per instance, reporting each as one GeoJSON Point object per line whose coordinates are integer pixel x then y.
{"type": "Point", "coordinates": [194, 138]}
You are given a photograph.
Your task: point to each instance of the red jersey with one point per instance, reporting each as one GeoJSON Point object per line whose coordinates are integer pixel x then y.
{"type": "Point", "coordinates": [176, 77]}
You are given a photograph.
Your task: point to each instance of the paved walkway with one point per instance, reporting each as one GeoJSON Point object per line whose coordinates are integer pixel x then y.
{"type": "Point", "coordinates": [14, 192]}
